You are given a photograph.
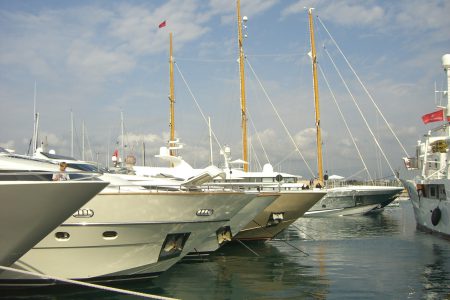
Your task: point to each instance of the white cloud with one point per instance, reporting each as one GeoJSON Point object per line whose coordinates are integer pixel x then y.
{"type": "Point", "coordinates": [344, 12]}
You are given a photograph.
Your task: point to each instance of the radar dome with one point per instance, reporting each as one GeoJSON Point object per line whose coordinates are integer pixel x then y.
{"type": "Point", "coordinates": [446, 61]}
{"type": "Point", "coordinates": [267, 168]}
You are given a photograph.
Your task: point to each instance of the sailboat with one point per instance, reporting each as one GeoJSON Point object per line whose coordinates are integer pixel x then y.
{"type": "Point", "coordinates": [426, 176]}
{"type": "Point", "coordinates": [292, 203]}
{"type": "Point", "coordinates": [351, 199]}
{"type": "Point", "coordinates": [178, 169]}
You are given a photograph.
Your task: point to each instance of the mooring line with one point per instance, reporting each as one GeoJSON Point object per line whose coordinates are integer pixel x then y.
{"type": "Point", "coordinates": [242, 243]}
{"type": "Point", "coordinates": [87, 284]}
{"type": "Point", "coordinates": [299, 229]}
{"type": "Point", "coordinates": [283, 240]}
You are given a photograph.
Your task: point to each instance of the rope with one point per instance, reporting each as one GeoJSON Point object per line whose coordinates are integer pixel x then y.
{"type": "Point", "coordinates": [242, 243]}
{"type": "Point", "coordinates": [284, 241]}
{"type": "Point", "coordinates": [365, 89]}
{"type": "Point", "coordinates": [255, 155]}
{"type": "Point", "coordinates": [282, 123]}
{"type": "Point", "coordinates": [198, 106]}
{"type": "Point", "coordinates": [343, 118]}
{"type": "Point", "coordinates": [87, 284]}
{"type": "Point", "coordinates": [259, 139]}
{"type": "Point", "coordinates": [361, 113]}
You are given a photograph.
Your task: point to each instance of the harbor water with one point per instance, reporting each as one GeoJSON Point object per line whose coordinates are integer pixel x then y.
{"type": "Point", "coordinates": [380, 256]}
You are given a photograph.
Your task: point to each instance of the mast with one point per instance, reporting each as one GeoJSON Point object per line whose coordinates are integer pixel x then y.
{"type": "Point", "coordinates": [446, 65]}
{"type": "Point", "coordinates": [316, 96]}
{"type": "Point", "coordinates": [211, 162]}
{"type": "Point", "coordinates": [172, 100]}
{"type": "Point", "coordinates": [35, 121]}
{"type": "Point", "coordinates": [82, 141]}
{"type": "Point", "coordinates": [242, 85]}
{"type": "Point", "coordinates": [122, 146]}
{"type": "Point", "coordinates": [71, 133]}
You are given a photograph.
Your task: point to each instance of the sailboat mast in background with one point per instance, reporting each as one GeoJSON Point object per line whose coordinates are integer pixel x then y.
{"type": "Point", "coordinates": [242, 84]}
{"type": "Point", "coordinates": [316, 96]}
{"type": "Point", "coordinates": [171, 99]}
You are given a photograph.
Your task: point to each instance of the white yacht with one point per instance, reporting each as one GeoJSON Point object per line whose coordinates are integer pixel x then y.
{"type": "Point", "coordinates": [354, 200]}
{"type": "Point", "coordinates": [128, 231]}
{"type": "Point", "coordinates": [32, 205]}
{"type": "Point", "coordinates": [426, 176]}
{"type": "Point", "coordinates": [266, 222]}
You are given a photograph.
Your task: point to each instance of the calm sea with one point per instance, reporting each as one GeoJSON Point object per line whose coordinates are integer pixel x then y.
{"type": "Point", "coordinates": [367, 257]}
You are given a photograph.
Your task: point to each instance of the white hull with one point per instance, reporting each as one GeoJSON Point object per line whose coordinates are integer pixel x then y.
{"type": "Point", "coordinates": [291, 204]}
{"type": "Point", "coordinates": [358, 210]}
{"type": "Point", "coordinates": [426, 175]}
{"type": "Point", "coordinates": [141, 223]}
{"type": "Point", "coordinates": [424, 207]}
{"type": "Point", "coordinates": [351, 200]}
{"type": "Point", "coordinates": [32, 209]}
{"type": "Point", "coordinates": [242, 218]}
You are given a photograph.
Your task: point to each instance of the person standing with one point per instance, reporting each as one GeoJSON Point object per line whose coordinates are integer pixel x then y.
{"type": "Point", "coordinates": [61, 175]}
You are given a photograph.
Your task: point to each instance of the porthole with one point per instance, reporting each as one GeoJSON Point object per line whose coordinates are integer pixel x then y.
{"type": "Point", "coordinates": [109, 235]}
{"type": "Point", "coordinates": [62, 236]}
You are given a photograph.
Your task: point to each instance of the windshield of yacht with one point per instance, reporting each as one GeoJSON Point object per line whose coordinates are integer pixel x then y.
{"type": "Point", "coordinates": [86, 167]}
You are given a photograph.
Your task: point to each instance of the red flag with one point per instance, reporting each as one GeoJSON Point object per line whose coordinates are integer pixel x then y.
{"type": "Point", "coordinates": [162, 24]}
{"type": "Point", "coordinates": [116, 153]}
{"type": "Point", "coordinates": [433, 117]}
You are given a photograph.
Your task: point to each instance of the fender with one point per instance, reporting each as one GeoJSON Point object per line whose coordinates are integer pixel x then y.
{"type": "Point", "coordinates": [436, 216]}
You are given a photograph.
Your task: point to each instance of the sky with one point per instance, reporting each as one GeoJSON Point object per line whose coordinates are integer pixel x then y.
{"type": "Point", "coordinates": [95, 60]}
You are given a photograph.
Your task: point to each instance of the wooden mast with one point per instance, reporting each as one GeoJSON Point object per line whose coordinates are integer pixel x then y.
{"type": "Point", "coordinates": [242, 85]}
{"type": "Point", "coordinates": [171, 99]}
{"type": "Point", "coordinates": [316, 96]}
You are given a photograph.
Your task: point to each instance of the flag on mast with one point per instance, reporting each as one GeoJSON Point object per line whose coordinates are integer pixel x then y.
{"type": "Point", "coordinates": [162, 24]}
{"type": "Point", "coordinates": [433, 117]}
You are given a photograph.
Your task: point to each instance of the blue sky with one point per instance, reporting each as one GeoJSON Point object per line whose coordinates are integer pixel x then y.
{"type": "Point", "coordinates": [100, 58]}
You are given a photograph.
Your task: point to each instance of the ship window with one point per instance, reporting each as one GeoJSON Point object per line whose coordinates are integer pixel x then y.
{"type": "Point", "coordinates": [62, 236]}
{"type": "Point", "coordinates": [432, 192]}
{"type": "Point", "coordinates": [442, 194]}
{"type": "Point", "coordinates": [109, 235]}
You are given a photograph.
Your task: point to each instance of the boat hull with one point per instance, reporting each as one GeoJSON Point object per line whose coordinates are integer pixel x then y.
{"type": "Point", "coordinates": [120, 235]}
{"type": "Point", "coordinates": [425, 211]}
{"type": "Point", "coordinates": [291, 204]}
{"type": "Point", "coordinates": [242, 218]}
{"type": "Point", "coordinates": [31, 210]}
{"type": "Point", "coordinates": [353, 200]}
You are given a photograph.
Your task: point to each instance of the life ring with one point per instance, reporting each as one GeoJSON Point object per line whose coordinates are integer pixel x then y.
{"type": "Point", "coordinates": [436, 216]}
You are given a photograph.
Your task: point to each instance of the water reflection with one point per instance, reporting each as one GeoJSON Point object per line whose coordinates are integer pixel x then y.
{"type": "Point", "coordinates": [348, 227]}
{"type": "Point", "coordinates": [236, 273]}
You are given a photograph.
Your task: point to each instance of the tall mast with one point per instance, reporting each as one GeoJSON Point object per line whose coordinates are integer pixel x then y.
{"type": "Point", "coordinates": [242, 84]}
{"type": "Point", "coordinates": [316, 96]}
{"type": "Point", "coordinates": [446, 65]}
{"type": "Point", "coordinates": [71, 133]}
{"type": "Point", "coordinates": [211, 162]}
{"type": "Point", "coordinates": [82, 141]}
{"type": "Point", "coordinates": [35, 130]}
{"type": "Point", "coordinates": [171, 99]}
{"type": "Point", "coordinates": [122, 141]}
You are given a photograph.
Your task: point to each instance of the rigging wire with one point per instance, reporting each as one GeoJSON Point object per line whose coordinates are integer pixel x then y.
{"type": "Point", "coordinates": [345, 121]}
{"type": "Point", "coordinates": [364, 87]}
{"type": "Point", "coordinates": [255, 156]}
{"type": "Point", "coordinates": [278, 115]}
{"type": "Point", "coordinates": [259, 138]}
{"type": "Point", "coordinates": [198, 106]}
{"type": "Point", "coordinates": [360, 112]}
